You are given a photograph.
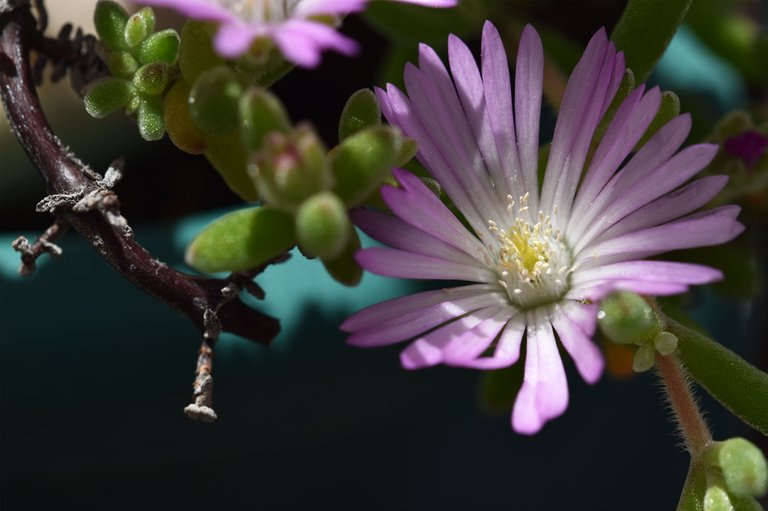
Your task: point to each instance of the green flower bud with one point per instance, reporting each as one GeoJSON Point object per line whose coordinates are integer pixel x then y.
{"type": "Point", "coordinates": [322, 226]}
{"type": "Point", "coordinates": [261, 113]}
{"type": "Point", "coordinates": [665, 343]}
{"type": "Point", "coordinates": [716, 499]}
{"type": "Point", "coordinates": [110, 19]}
{"type": "Point", "coordinates": [361, 111]}
{"type": "Point", "coordinates": [627, 318]}
{"type": "Point", "coordinates": [290, 168]}
{"type": "Point", "coordinates": [122, 64]}
{"type": "Point", "coordinates": [242, 240]}
{"type": "Point", "coordinates": [644, 358]}
{"type": "Point", "coordinates": [213, 101]}
{"type": "Point", "coordinates": [161, 46]}
{"type": "Point", "coordinates": [743, 467]}
{"type": "Point", "coordinates": [182, 130]}
{"type": "Point", "coordinates": [152, 79]}
{"type": "Point", "coordinates": [344, 268]}
{"type": "Point", "coordinates": [361, 163]}
{"type": "Point", "coordinates": [150, 118]}
{"type": "Point", "coordinates": [107, 95]}
{"type": "Point", "coordinates": [196, 53]}
{"type": "Point", "coordinates": [139, 26]}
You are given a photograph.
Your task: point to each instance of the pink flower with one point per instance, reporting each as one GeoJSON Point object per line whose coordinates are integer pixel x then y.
{"type": "Point", "coordinates": [289, 23]}
{"type": "Point", "coordinates": [535, 259]}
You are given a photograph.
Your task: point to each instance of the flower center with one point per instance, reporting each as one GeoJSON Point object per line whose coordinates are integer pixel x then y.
{"type": "Point", "coordinates": [261, 11]}
{"type": "Point", "coordinates": [532, 260]}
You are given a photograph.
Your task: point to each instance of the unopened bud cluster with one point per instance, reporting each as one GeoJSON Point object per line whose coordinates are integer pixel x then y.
{"type": "Point", "coordinates": [626, 318]}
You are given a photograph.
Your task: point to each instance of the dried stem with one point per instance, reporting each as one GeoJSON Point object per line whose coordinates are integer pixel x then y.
{"type": "Point", "coordinates": [202, 408]}
{"type": "Point", "coordinates": [81, 199]}
{"type": "Point", "coordinates": [692, 425]}
{"type": "Point", "coordinates": [45, 244]}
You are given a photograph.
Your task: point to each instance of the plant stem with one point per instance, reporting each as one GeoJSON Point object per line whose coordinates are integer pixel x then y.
{"type": "Point", "coordinates": [692, 425]}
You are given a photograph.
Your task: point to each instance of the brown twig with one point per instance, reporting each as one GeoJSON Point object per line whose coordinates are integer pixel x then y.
{"type": "Point", "coordinates": [202, 408]}
{"type": "Point", "coordinates": [81, 199]}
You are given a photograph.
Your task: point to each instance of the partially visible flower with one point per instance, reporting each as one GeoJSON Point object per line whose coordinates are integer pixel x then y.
{"type": "Point", "coordinates": [290, 24]}
{"type": "Point", "coordinates": [536, 259]}
{"type": "Point", "coordinates": [750, 146]}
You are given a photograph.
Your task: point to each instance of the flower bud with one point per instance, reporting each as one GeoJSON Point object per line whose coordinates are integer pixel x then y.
{"type": "Point", "coordinates": [644, 358]}
{"type": "Point", "coordinates": [322, 226]}
{"type": "Point", "coordinates": [627, 318]}
{"type": "Point", "coordinates": [665, 343]}
{"type": "Point", "coordinates": [743, 467]}
{"type": "Point", "coordinates": [290, 168]}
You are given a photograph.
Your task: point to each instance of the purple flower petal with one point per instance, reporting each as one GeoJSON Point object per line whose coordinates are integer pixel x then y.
{"type": "Point", "coordinates": [407, 265]}
{"type": "Point", "coordinates": [529, 80]}
{"type": "Point", "coordinates": [302, 42]}
{"type": "Point", "coordinates": [392, 309]}
{"type": "Point", "coordinates": [585, 354]}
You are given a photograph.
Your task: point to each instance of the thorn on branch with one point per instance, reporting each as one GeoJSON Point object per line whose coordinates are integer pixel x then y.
{"type": "Point", "coordinates": [44, 245]}
{"type": "Point", "coordinates": [202, 407]}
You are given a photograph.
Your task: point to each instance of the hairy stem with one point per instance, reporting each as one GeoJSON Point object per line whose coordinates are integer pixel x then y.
{"type": "Point", "coordinates": [692, 425]}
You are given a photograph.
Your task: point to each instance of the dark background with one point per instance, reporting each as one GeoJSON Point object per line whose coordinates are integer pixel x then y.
{"type": "Point", "coordinates": [94, 374]}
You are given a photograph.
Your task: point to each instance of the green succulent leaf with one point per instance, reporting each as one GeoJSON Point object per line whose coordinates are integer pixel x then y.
{"type": "Point", "coordinates": [228, 157]}
{"type": "Point", "coordinates": [139, 26]}
{"type": "Point", "coordinates": [361, 111]}
{"type": "Point", "coordinates": [196, 53]}
{"type": "Point", "coordinates": [344, 267]}
{"type": "Point", "coordinates": [645, 29]}
{"type": "Point", "coordinates": [110, 20]}
{"type": "Point", "coordinates": [363, 161]}
{"type": "Point", "coordinates": [152, 79]}
{"type": "Point", "coordinates": [214, 100]}
{"type": "Point", "coordinates": [261, 112]}
{"type": "Point", "coordinates": [322, 226]}
{"type": "Point", "coordinates": [739, 386]}
{"type": "Point", "coordinates": [150, 118]}
{"type": "Point", "coordinates": [107, 95]}
{"type": "Point", "coordinates": [122, 64]}
{"type": "Point", "coordinates": [161, 46]}
{"type": "Point", "coordinates": [242, 240]}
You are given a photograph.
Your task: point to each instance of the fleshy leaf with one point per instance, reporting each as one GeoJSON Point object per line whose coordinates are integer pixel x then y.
{"type": "Point", "coordinates": [139, 26]}
{"type": "Point", "coordinates": [122, 64]}
{"type": "Point", "coordinates": [107, 95]}
{"type": "Point", "coordinates": [181, 128]}
{"type": "Point", "coordinates": [213, 101]}
{"type": "Point", "coordinates": [645, 29]}
{"type": "Point", "coordinates": [228, 157]}
{"type": "Point", "coordinates": [668, 109]}
{"type": "Point", "coordinates": [150, 118]}
{"type": "Point", "coordinates": [261, 112]}
{"type": "Point", "coordinates": [739, 386]}
{"type": "Point", "coordinates": [362, 162]}
{"type": "Point", "coordinates": [344, 268]}
{"type": "Point", "coordinates": [361, 111]}
{"type": "Point", "coordinates": [161, 46]}
{"type": "Point", "coordinates": [152, 79]}
{"type": "Point", "coordinates": [110, 19]}
{"type": "Point", "coordinates": [242, 240]}
{"type": "Point", "coordinates": [196, 53]}
{"type": "Point", "coordinates": [322, 226]}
